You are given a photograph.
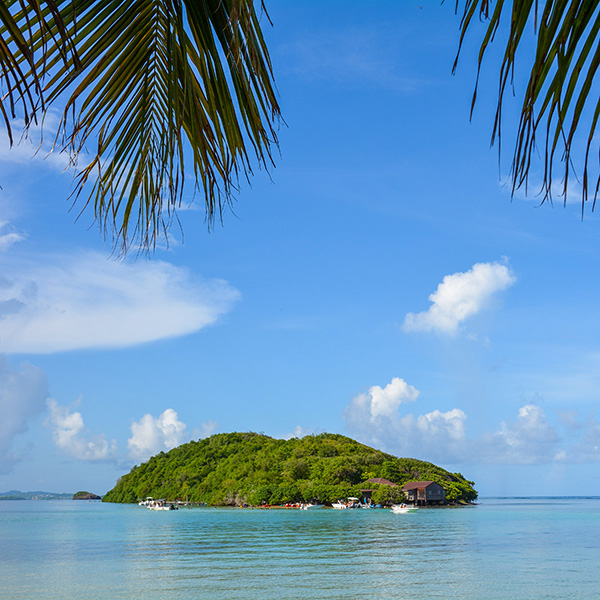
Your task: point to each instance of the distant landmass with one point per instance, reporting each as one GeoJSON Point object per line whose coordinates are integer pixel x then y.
{"type": "Point", "coordinates": [18, 495]}
{"type": "Point", "coordinates": [233, 469]}
{"type": "Point", "coordinates": [85, 496]}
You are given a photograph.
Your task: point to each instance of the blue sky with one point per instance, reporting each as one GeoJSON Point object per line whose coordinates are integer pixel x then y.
{"type": "Point", "coordinates": [379, 283]}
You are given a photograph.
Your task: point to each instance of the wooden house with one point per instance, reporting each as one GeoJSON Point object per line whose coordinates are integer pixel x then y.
{"type": "Point", "coordinates": [424, 492]}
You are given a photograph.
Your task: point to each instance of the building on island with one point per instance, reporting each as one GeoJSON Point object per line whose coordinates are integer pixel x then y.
{"type": "Point", "coordinates": [424, 492]}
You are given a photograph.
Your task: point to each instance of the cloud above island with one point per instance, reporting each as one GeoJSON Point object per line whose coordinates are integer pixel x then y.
{"type": "Point", "coordinates": [459, 297]}
{"type": "Point", "coordinates": [376, 419]}
{"type": "Point", "coordinates": [89, 301]}
{"type": "Point", "coordinates": [530, 438]}
{"type": "Point", "coordinates": [71, 437]}
{"type": "Point", "coordinates": [151, 435]}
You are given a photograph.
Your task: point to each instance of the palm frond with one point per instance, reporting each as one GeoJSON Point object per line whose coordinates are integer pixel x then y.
{"type": "Point", "coordinates": [25, 25]}
{"type": "Point", "coordinates": [560, 97]}
{"type": "Point", "coordinates": [160, 83]}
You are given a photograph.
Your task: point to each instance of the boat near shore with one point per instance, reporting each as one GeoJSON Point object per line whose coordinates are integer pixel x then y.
{"type": "Point", "coordinates": [160, 504]}
{"type": "Point", "coordinates": [400, 509]}
{"type": "Point", "coordinates": [350, 503]}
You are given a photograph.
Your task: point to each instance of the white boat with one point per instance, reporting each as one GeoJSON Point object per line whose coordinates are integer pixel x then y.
{"type": "Point", "coordinates": [311, 506]}
{"type": "Point", "coordinates": [400, 509]}
{"type": "Point", "coordinates": [149, 500]}
{"type": "Point", "coordinates": [160, 505]}
{"type": "Point", "coordinates": [350, 503]}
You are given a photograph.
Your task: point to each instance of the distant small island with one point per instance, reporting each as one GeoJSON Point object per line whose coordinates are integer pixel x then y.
{"type": "Point", "coordinates": [238, 469]}
{"type": "Point", "coordinates": [86, 496]}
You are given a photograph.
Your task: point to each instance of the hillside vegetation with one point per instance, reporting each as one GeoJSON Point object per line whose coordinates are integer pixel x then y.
{"type": "Point", "coordinates": [238, 468]}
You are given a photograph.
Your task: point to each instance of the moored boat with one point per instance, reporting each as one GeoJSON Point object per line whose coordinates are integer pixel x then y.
{"type": "Point", "coordinates": [161, 505]}
{"type": "Point", "coordinates": [350, 503]}
{"type": "Point", "coordinates": [400, 509]}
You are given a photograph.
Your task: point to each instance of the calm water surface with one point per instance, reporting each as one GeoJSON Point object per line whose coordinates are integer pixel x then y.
{"type": "Point", "coordinates": [499, 549]}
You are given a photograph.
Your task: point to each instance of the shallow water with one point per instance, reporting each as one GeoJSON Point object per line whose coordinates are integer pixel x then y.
{"type": "Point", "coordinates": [499, 549]}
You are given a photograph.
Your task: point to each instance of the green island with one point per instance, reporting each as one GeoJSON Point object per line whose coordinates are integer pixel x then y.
{"type": "Point", "coordinates": [237, 469]}
{"type": "Point", "coordinates": [85, 496]}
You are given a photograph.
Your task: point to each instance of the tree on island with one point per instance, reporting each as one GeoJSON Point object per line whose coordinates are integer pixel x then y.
{"type": "Point", "coordinates": [250, 468]}
{"type": "Point", "coordinates": [146, 81]}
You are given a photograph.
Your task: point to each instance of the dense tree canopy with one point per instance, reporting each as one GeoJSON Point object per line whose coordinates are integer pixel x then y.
{"type": "Point", "coordinates": [237, 468]}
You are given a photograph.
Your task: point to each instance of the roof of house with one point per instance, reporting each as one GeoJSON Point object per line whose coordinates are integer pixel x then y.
{"type": "Point", "coordinates": [382, 481]}
{"type": "Point", "coordinates": [417, 485]}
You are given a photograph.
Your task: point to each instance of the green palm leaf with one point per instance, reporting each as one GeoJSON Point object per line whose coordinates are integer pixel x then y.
{"type": "Point", "coordinates": [160, 87]}
{"type": "Point", "coordinates": [24, 25]}
{"type": "Point", "coordinates": [559, 98]}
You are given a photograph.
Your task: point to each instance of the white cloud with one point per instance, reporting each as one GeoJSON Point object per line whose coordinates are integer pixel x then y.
{"type": "Point", "coordinates": [375, 419]}
{"type": "Point", "coordinates": [459, 297]}
{"type": "Point", "coordinates": [23, 393]}
{"type": "Point", "coordinates": [8, 238]}
{"type": "Point", "coordinates": [299, 432]}
{"type": "Point", "coordinates": [151, 435]}
{"type": "Point", "coordinates": [36, 147]}
{"type": "Point", "coordinates": [379, 418]}
{"type": "Point", "coordinates": [205, 430]}
{"type": "Point", "coordinates": [449, 425]}
{"type": "Point", "coordinates": [528, 439]}
{"type": "Point", "coordinates": [70, 436]}
{"type": "Point", "coordinates": [89, 301]}
{"type": "Point", "coordinates": [442, 436]}
{"type": "Point", "coordinates": [534, 192]}
{"type": "Point", "coordinates": [383, 402]}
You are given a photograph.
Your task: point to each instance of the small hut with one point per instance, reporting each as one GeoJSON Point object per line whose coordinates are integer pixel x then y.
{"type": "Point", "coordinates": [424, 492]}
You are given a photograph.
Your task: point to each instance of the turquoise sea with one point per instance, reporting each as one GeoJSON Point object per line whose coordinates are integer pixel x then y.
{"type": "Point", "coordinates": [501, 548]}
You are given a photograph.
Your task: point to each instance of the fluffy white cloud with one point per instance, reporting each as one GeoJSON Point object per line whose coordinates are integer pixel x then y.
{"type": "Point", "coordinates": [528, 439]}
{"type": "Point", "coordinates": [459, 297]}
{"type": "Point", "coordinates": [23, 393]}
{"type": "Point", "coordinates": [375, 419]}
{"type": "Point", "coordinates": [70, 436]}
{"type": "Point", "coordinates": [382, 402]}
{"type": "Point", "coordinates": [89, 301]}
{"type": "Point", "coordinates": [151, 435]}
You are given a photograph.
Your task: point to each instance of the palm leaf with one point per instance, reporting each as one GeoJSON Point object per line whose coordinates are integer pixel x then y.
{"type": "Point", "coordinates": [24, 25]}
{"type": "Point", "coordinates": [560, 97]}
{"type": "Point", "coordinates": [160, 84]}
